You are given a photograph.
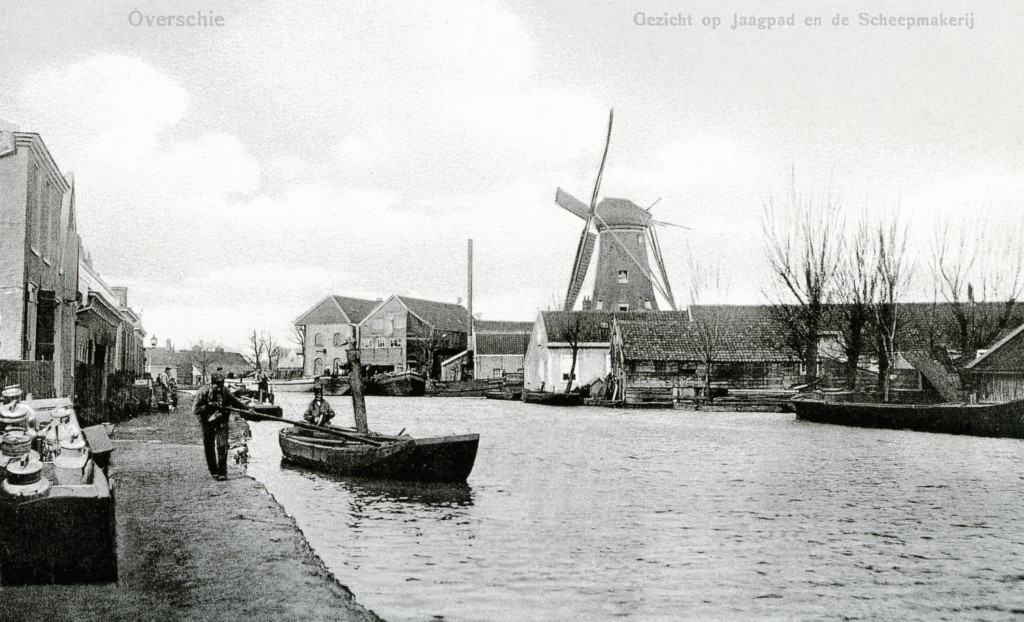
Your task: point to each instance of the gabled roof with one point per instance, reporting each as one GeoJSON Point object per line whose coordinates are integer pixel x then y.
{"type": "Point", "coordinates": [335, 309]}
{"type": "Point", "coordinates": [232, 362]}
{"type": "Point", "coordinates": [1006, 354]}
{"type": "Point", "coordinates": [596, 326]}
{"type": "Point", "coordinates": [502, 343]}
{"type": "Point", "coordinates": [501, 326]}
{"type": "Point", "coordinates": [438, 315]}
{"type": "Point", "coordinates": [162, 357]}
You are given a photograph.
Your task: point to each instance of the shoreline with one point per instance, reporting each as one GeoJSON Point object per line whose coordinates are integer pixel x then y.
{"type": "Point", "coordinates": [191, 547]}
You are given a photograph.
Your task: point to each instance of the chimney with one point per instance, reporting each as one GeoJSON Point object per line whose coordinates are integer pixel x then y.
{"type": "Point", "coordinates": [469, 288]}
{"type": "Point", "coordinates": [169, 345]}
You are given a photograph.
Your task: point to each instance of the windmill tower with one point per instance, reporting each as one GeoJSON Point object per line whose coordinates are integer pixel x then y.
{"type": "Point", "coordinates": [625, 236]}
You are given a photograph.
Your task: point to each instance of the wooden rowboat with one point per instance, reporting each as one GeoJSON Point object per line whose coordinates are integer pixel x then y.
{"type": "Point", "coordinates": [553, 399]}
{"type": "Point", "coordinates": [437, 459]}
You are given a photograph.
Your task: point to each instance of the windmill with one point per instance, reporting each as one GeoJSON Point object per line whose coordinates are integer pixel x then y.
{"type": "Point", "coordinates": [625, 235]}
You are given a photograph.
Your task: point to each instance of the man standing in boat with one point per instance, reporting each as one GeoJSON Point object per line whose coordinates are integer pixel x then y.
{"type": "Point", "coordinates": [319, 412]}
{"type": "Point", "coordinates": [211, 406]}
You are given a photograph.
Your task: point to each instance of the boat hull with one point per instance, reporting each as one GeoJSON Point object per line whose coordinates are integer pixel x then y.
{"type": "Point", "coordinates": [504, 395]}
{"type": "Point", "coordinates": [994, 420]}
{"type": "Point", "coordinates": [406, 384]}
{"type": "Point", "coordinates": [438, 459]}
{"type": "Point", "coordinates": [553, 399]}
{"type": "Point", "coordinates": [293, 386]}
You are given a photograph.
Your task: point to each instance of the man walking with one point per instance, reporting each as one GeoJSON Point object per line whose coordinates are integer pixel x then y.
{"type": "Point", "coordinates": [211, 406]}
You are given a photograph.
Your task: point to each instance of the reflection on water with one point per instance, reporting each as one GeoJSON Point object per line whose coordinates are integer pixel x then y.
{"type": "Point", "coordinates": [370, 490]}
{"type": "Point", "coordinates": [594, 514]}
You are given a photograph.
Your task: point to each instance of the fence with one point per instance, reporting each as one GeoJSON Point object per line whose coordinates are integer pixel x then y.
{"type": "Point", "coordinates": [35, 377]}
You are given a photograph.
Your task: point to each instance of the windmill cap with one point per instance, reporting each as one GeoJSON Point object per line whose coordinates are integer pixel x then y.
{"type": "Point", "coordinates": [622, 213]}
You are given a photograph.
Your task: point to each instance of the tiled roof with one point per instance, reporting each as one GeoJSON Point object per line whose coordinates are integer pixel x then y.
{"type": "Point", "coordinates": [439, 315]}
{"type": "Point", "coordinates": [499, 326]}
{"type": "Point", "coordinates": [335, 309]}
{"type": "Point", "coordinates": [502, 343]}
{"type": "Point", "coordinates": [162, 357]}
{"type": "Point", "coordinates": [596, 326]}
{"type": "Point", "coordinates": [738, 333]}
{"type": "Point", "coordinates": [1006, 355]}
{"type": "Point", "coordinates": [232, 362]}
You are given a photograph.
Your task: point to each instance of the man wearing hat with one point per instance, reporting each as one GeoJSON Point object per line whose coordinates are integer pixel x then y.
{"type": "Point", "coordinates": [319, 412]}
{"type": "Point", "coordinates": [211, 406]}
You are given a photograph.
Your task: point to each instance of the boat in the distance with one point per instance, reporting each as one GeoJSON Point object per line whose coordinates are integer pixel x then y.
{"type": "Point", "coordinates": [298, 385]}
{"type": "Point", "coordinates": [552, 399]}
{"type": "Point", "coordinates": [995, 420]}
{"type": "Point", "coordinates": [398, 384]}
{"type": "Point", "coordinates": [502, 394]}
{"type": "Point", "coordinates": [359, 452]}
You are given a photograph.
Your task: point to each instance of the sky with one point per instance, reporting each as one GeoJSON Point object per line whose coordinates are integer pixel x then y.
{"type": "Point", "coordinates": [233, 175]}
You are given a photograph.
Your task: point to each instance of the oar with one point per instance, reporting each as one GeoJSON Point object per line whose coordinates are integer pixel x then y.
{"type": "Point", "coordinates": [305, 426]}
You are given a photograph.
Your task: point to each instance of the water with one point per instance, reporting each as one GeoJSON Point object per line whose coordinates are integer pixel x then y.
{"type": "Point", "coordinates": [597, 514]}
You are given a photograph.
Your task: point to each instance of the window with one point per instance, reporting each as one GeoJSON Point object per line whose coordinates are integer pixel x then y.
{"type": "Point", "coordinates": [639, 239]}
{"type": "Point", "coordinates": [380, 343]}
{"type": "Point", "coordinates": [318, 366]}
{"type": "Point", "coordinates": [659, 366]}
{"type": "Point", "coordinates": [623, 276]}
{"type": "Point", "coordinates": [496, 372]}
{"type": "Point", "coordinates": [318, 341]}
{"type": "Point", "coordinates": [598, 305]}
{"type": "Point", "coordinates": [366, 343]}
{"type": "Point", "coordinates": [647, 305]}
{"type": "Point", "coordinates": [35, 208]}
{"type": "Point", "coordinates": [336, 365]}
{"type": "Point", "coordinates": [339, 341]}
{"type": "Point", "coordinates": [623, 306]}
{"type": "Point", "coordinates": [395, 343]}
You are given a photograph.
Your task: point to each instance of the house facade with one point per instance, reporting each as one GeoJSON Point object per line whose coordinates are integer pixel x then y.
{"type": "Point", "coordinates": [405, 333]}
{"type": "Point", "coordinates": [499, 348]}
{"type": "Point", "coordinates": [327, 328]}
{"type": "Point", "coordinates": [997, 374]}
{"type": "Point", "coordinates": [109, 353]}
{"type": "Point", "coordinates": [548, 359]}
{"type": "Point", "coordinates": [39, 248]}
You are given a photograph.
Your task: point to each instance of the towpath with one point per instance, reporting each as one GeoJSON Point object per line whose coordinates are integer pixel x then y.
{"type": "Point", "coordinates": [190, 547]}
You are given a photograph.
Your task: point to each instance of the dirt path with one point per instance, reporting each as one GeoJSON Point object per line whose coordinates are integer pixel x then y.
{"type": "Point", "coordinates": [190, 547]}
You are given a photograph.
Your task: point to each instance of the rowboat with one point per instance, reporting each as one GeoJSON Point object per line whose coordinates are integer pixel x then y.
{"type": "Point", "coordinates": [299, 385]}
{"type": "Point", "coordinates": [401, 384]}
{"type": "Point", "coordinates": [994, 420]}
{"type": "Point", "coordinates": [360, 452]}
{"type": "Point", "coordinates": [552, 399]}
{"type": "Point", "coordinates": [436, 459]}
{"type": "Point", "coordinates": [504, 395]}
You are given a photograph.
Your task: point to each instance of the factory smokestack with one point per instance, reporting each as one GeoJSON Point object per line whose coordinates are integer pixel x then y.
{"type": "Point", "coordinates": [469, 294]}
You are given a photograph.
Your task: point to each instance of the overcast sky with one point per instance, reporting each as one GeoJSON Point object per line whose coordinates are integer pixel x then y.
{"type": "Point", "coordinates": [233, 175]}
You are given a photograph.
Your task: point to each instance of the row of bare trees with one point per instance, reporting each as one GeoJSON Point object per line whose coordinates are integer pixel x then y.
{"type": "Point", "coordinates": [855, 278]}
{"type": "Point", "coordinates": [263, 350]}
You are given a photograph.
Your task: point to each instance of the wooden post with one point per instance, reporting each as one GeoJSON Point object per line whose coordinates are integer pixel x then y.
{"type": "Point", "coordinates": [355, 380]}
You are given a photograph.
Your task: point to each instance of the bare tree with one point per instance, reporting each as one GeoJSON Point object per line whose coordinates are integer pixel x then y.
{"type": "Point", "coordinates": [709, 325]}
{"type": "Point", "coordinates": [855, 294]}
{"type": "Point", "coordinates": [893, 273]}
{"type": "Point", "coordinates": [272, 348]}
{"type": "Point", "coordinates": [979, 271]}
{"type": "Point", "coordinates": [255, 353]}
{"type": "Point", "coordinates": [803, 246]}
{"type": "Point", "coordinates": [202, 356]}
{"type": "Point", "coordinates": [570, 332]}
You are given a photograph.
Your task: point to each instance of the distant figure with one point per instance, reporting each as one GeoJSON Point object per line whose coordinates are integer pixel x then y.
{"type": "Point", "coordinates": [319, 412]}
{"type": "Point", "coordinates": [263, 384]}
{"type": "Point", "coordinates": [172, 389]}
{"type": "Point", "coordinates": [211, 407]}
{"type": "Point", "coordinates": [162, 386]}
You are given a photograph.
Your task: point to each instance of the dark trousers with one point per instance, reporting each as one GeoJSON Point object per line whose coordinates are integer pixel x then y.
{"type": "Point", "coordinates": [215, 444]}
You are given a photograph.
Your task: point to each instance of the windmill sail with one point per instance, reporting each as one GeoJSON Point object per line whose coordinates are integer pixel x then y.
{"type": "Point", "coordinates": [572, 204]}
{"type": "Point", "coordinates": [656, 247]}
{"type": "Point", "coordinates": [583, 254]}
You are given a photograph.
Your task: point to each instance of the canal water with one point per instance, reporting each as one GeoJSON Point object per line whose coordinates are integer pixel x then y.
{"type": "Point", "coordinates": [598, 514]}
